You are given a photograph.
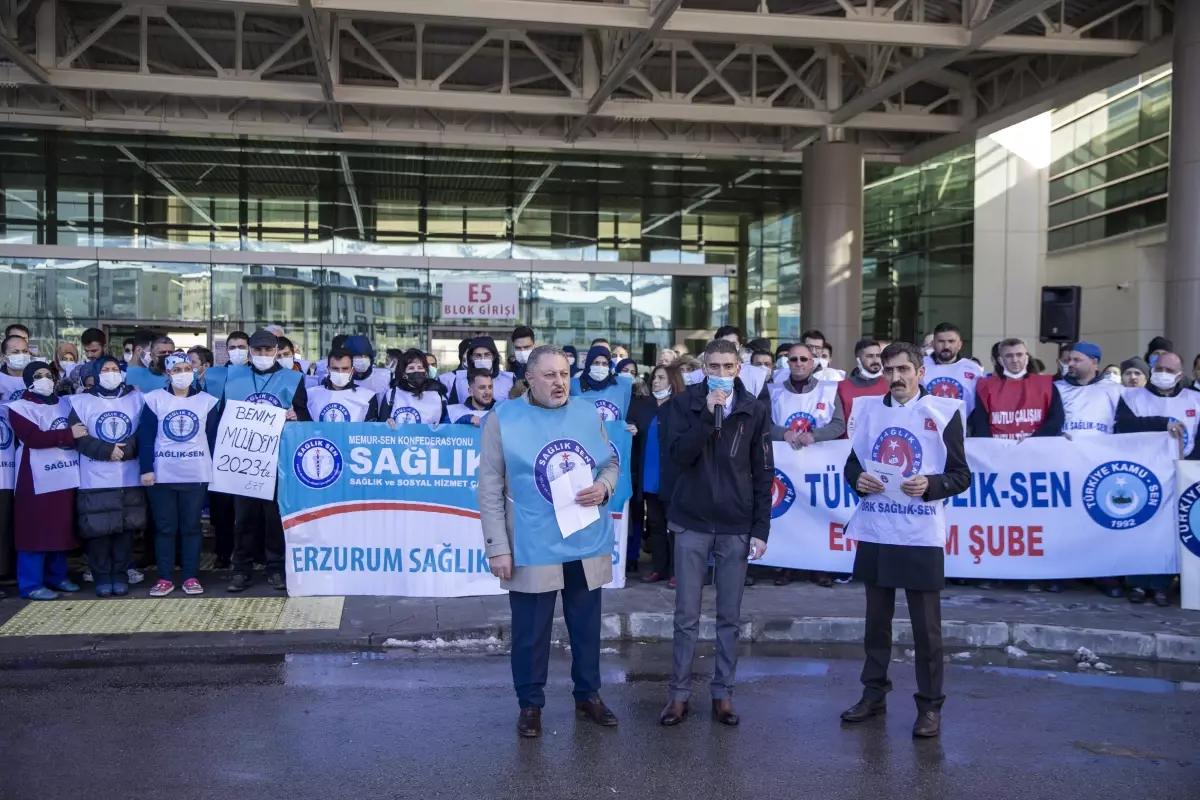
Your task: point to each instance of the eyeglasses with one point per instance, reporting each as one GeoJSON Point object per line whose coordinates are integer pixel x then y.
{"type": "Point", "coordinates": [799, 360]}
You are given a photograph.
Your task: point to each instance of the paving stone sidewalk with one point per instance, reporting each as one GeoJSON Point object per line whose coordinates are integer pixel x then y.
{"type": "Point", "coordinates": [800, 612]}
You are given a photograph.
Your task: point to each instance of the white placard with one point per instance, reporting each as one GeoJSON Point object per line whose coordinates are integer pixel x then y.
{"type": "Point", "coordinates": [247, 450]}
{"type": "Point", "coordinates": [1187, 475]}
{"type": "Point", "coordinates": [480, 300]}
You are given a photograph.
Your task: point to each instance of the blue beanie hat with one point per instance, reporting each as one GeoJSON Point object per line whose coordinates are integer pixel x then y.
{"type": "Point", "coordinates": [1088, 349]}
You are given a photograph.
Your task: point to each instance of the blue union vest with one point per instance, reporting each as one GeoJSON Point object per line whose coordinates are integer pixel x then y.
{"type": "Point", "coordinates": [611, 402]}
{"type": "Point", "coordinates": [214, 381]}
{"type": "Point", "coordinates": [539, 445]}
{"type": "Point", "coordinates": [274, 389]}
{"type": "Point", "coordinates": [145, 380]}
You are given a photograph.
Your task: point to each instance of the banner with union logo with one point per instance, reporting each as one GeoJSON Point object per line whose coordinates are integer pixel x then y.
{"type": "Point", "coordinates": [1043, 508]}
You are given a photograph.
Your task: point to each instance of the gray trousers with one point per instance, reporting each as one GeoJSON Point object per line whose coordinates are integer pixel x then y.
{"type": "Point", "coordinates": [691, 564]}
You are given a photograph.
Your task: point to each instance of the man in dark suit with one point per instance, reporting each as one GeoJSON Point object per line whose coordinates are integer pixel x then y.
{"type": "Point", "coordinates": [911, 438]}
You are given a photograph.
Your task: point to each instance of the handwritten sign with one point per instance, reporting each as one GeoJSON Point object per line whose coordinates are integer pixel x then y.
{"type": "Point", "coordinates": [247, 450]}
{"type": "Point", "coordinates": [480, 300]}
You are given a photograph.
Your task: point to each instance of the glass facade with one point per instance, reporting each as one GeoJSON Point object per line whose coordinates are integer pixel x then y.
{"type": "Point", "coordinates": [201, 236]}
{"type": "Point", "coordinates": [918, 247]}
{"type": "Point", "coordinates": [1109, 170]}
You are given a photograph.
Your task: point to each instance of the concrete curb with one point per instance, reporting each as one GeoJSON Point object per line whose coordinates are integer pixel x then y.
{"type": "Point", "coordinates": [659, 627]}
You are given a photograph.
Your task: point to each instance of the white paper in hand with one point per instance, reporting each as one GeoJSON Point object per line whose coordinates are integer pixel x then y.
{"type": "Point", "coordinates": [891, 478]}
{"type": "Point", "coordinates": [571, 516]}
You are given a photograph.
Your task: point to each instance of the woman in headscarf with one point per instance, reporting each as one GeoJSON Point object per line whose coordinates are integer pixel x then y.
{"type": "Point", "coordinates": [598, 384]}
{"type": "Point", "coordinates": [66, 359]}
{"type": "Point", "coordinates": [111, 503]}
{"type": "Point", "coordinates": [628, 368]}
{"type": "Point", "coordinates": [413, 397]}
{"type": "Point", "coordinates": [573, 360]}
{"type": "Point", "coordinates": [47, 476]}
{"type": "Point", "coordinates": [177, 427]}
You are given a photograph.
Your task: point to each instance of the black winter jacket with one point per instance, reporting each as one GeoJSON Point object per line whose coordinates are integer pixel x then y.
{"type": "Point", "coordinates": [103, 512]}
{"type": "Point", "coordinates": [724, 478]}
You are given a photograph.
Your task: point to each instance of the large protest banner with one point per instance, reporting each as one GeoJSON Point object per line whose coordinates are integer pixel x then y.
{"type": "Point", "coordinates": [1187, 524]}
{"type": "Point", "coordinates": [374, 511]}
{"type": "Point", "coordinates": [1038, 509]}
{"type": "Point", "coordinates": [247, 449]}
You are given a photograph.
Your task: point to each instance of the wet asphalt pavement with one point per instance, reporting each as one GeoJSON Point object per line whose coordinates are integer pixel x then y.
{"type": "Point", "coordinates": [433, 725]}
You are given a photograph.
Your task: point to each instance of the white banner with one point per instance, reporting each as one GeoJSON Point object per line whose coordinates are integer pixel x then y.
{"type": "Point", "coordinates": [247, 450]}
{"type": "Point", "coordinates": [1043, 508]}
{"type": "Point", "coordinates": [1187, 522]}
{"type": "Point", "coordinates": [480, 300]}
{"type": "Point", "coordinates": [620, 539]}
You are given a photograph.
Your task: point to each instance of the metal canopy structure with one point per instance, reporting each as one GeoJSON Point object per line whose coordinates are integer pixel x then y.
{"type": "Point", "coordinates": [740, 78]}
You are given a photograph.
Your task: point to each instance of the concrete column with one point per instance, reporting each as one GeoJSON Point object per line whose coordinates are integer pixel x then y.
{"type": "Point", "coordinates": [1011, 193]}
{"type": "Point", "coordinates": [1183, 222]}
{"type": "Point", "coordinates": [832, 215]}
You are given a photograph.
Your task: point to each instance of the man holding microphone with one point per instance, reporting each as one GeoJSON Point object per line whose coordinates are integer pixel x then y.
{"type": "Point", "coordinates": [535, 449]}
{"type": "Point", "coordinates": [719, 437]}
{"type": "Point", "coordinates": [907, 457]}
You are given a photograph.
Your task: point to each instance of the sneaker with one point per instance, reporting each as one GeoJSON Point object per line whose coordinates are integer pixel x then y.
{"type": "Point", "coordinates": [103, 590]}
{"type": "Point", "coordinates": [135, 577]}
{"type": "Point", "coordinates": [162, 588]}
{"type": "Point", "coordinates": [238, 583]}
{"type": "Point", "coordinates": [1160, 598]}
{"type": "Point", "coordinates": [68, 587]}
{"type": "Point", "coordinates": [120, 589]}
{"type": "Point", "coordinates": [1137, 595]}
{"type": "Point", "coordinates": [192, 586]}
{"type": "Point", "coordinates": [277, 581]}
{"type": "Point", "coordinates": [42, 594]}
{"type": "Point", "coordinates": [86, 577]}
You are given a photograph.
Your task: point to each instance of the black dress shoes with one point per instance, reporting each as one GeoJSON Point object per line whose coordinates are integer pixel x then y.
{"type": "Point", "coordinates": [529, 724]}
{"type": "Point", "coordinates": [928, 725]}
{"type": "Point", "coordinates": [723, 711]}
{"type": "Point", "coordinates": [595, 710]}
{"type": "Point", "coordinates": [863, 710]}
{"type": "Point", "coordinates": [674, 713]}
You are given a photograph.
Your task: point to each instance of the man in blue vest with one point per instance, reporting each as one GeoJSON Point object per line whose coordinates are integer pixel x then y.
{"type": "Point", "coordinates": [257, 524]}
{"type": "Point", "coordinates": [531, 447]}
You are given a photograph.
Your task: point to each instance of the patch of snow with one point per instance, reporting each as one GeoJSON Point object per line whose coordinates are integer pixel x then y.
{"type": "Point", "coordinates": [1085, 655]}
{"type": "Point", "coordinates": [961, 656]}
{"type": "Point", "coordinates": [1015, 652]}
{"type": "Point", "coordinates": [609, 651]}
{"type": "Point", "coordinates": [490, 643]}
{"type": "Point", "coordinates": [1083, 666]}
{"type": "Point", "coordinates": [1100, 665]}
{"type": "Point", "coordinates": [910, 653]}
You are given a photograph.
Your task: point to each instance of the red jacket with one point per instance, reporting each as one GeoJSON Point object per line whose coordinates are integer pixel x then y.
{"type": "Point", "coordinates": [850, 388]}
{"type": "Point", "coordinates": [1017, 409]}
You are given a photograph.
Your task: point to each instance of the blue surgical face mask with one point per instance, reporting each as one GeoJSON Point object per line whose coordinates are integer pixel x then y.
{"type": "Point", "coordinates": [716, 384]}
{"type": "Point", "coordinates": [1153, 360]}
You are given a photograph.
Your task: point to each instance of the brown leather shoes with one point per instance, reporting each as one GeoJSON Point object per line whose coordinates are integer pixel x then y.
{"type": "Point", "coordinates": [723, 711]}
{"type": "Point", "coordinates": [674, 713]}
{"type": "Point", "coordinates": [529, 724]}
{"type": "Point", "coordinates": [595, 710]}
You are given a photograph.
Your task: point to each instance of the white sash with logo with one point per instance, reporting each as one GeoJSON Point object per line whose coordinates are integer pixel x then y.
{"type": "Point", "coordinates": [377, 382]}
{"type": "Point", "coordinates": [806, 411]}
{"type": "Point", "coordinates": [339, 405]}
{"type": "Point", "coordinates": [181, 453]}
{"type": "Point", "coordinates": [459, 410]}
{"type": "Point", "coordinates": [111, 420]}
{"type": "Point", "coordinates": [11, 388]}
{"type": "Point", "coordinates": [1089, 410]}
{"type": "Point", "coordinates": [956, 381]}
{"type": "Point", "coordinates": [8, 452]}
{"type": "Point", "coordinates": [407, 408]}
{"type": "Point", "coordinates": [910, 440]}
{"type": "Point", "coordinates": [1183, 407]}
{"type": "Point", "coordinates": [53, 468]}
{"type": "Point", "coordinates": [754, 378]}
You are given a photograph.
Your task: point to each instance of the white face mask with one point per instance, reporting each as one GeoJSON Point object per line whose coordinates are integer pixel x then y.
{"type": "Point", "coordinates": [482, 363]}
{"type": "Point", "coordinates": [43, 386]}
{"type": "Point", "coordinates": [781, 362]}
{"type": "Point", "coordinates": [263, 363]}
{"type": "Point", "coordinates": [340, 380]}
{"type": "Point", "coordinates": [181, 380]}
{"type": "Point", "coordinates": [863, 371]}
{"type": "Point", "coordinates": [146, 358]}
{"type": "Point", "coordinates": [1163, 380]}
{"type": "Point", "coordinates": [522, 356]}
{"type": "Point", "coordinates": [662, 394]}
{"type": "Point", "coordinates": [66, 367]}
{"type": "Point", "coordinates": [18, 361]}
{"type": "Point", "coordinates": [127, 356]}
{"type": "Point", "coordinates": [570, 361]}
{"type": "Point", "coordinates": [1015, 376]}
{"type": "Point", "coordinates": [1064, 368]}
{"type": "Point", "coordinates": [361, 363]}
{"type": "Point", "coordinates": [238, 356]}
{"type": "Point", "coordinates": [598, 373]}
{"type": "Point", "coordinates": [109, 381]}
{"type": "Point", "coordinates": [286, 362]}
{"type": "Point", "coordinates": [821, 363]}
{"type": "Point", "coordinates": [928, 351]}
{"type": "Point", "coordinates": [1108, 376]}
{"type": "Point", "coordinates": [746, 358]}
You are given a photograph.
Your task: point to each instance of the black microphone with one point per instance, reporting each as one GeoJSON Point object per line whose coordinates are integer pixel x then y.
{"type": "Point", "coordinates": [719, 414]}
